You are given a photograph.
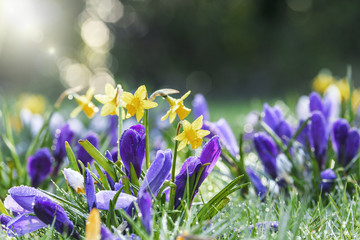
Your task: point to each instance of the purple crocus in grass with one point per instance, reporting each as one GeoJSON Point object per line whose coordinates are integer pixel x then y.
{"type": "Point", "coordinates": [24, 196]}
{"type": "Point", "coordinates": [145, 206]}
{"type": "Point", "coordinates": [82, 154]}
{"type": "Point", "coordinates": [103, 200]}
{"type": "Point", "coordinates": [266, 149]}
{"type": "Point", "coordinates": [4, 220]}
{"type": "Point", "coordinates": [90, 190]}
{"type": "Point", "coordinates": [303, 137]}
{"type": "Point", "coordinates": [23, 224]}
{"type": "Point", "coordinates": [329, 106]}
{"type": "Point", "coordinates": [39, 166]}
{"type": "Point", "coordinates": [345, 141]}
{"type": "Point", "coordinates": [328, 177]}
{"type": "Point", "coordinates": [274, 118]}
{"type": "Point", "coordinates": [49, 212]}
{"type": "Point", "coordinates": [192, 166]}
{"type": "Point", "coordinates": [132, 148]}
{"type": "Point", "coordinates": [200, 107]}
{"type": "Point", "coordinates": [106, 234]}
{"type": "Point", "coordinates": [62, 135]}
{"type": "Point", "coordinates": [318, 137]}
{"type": "Point", "coordinates": [259, 187]}
{"type": "Point", "coordinates": [157, 173]}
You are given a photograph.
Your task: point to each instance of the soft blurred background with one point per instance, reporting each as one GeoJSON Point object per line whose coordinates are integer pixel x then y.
{"type": "Point", "coordinates": [234, 49]}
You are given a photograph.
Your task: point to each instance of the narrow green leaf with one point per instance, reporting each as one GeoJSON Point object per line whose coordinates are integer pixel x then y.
{"type": "Point", "coordinates": [138, 229]}
{"type": "Point", "coordinates": [3, 209]}
{"type": "Point", "coordinates": [102, 176]}
{"type": "Point", "coordinates": [126, 184]}
{"type": "Point", "coordinates": [15, 156]}
{"type": "Point", "coordinates": [71, 156]}
{"type": "Point", "coordinates": [133, 176]}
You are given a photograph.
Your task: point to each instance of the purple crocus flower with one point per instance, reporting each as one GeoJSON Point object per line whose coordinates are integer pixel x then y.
{"type": "Point", "coordinates": [259, 187]}
{"type": "Point", "coordinates": [191, 168]}
{"type": "Point", "coordinates": [328, 106]}
{"type": "Point", "coordinates": [303, 137]}
{"type": "Point", "coordinates": [39, 166]}
{"type": "Point", "coordinates": [82, 154]}
{"type": "Point", "coordinates": [106, 234]}
{"type": "Point", "coordinates": [62, 135]}
{"type": "Point", "coordinates": [113, 129]}
{"type": "Point", "coordinates": [318, 137]}
{"type": "Point", "coordinates": [200, 107]}
{"type": "Point", "coordinates": [103, 200]}
{"type": "Point", "coordinates": [266, 149]}
{"type": "Point", "coordinates": [24, 196]}
{"type": "Point", "coordinates": [48, 212]}
{"type": "Point", "coordinates": [328, 177]}
{"type": "Point", "coordinates": [145, 206]}
{"type": "Point", "coordinates": [345, 141]}
{"type": "Point", "coordinates": [132, 148]}
{"type": "Point", "coordinates": [157, 173]}
{"type": "Point", "coordinates": [90, 190]}
{"type": "Point", "coordinates": [226, 135]}
{"type": "Point", "coordinates": [23, 224]}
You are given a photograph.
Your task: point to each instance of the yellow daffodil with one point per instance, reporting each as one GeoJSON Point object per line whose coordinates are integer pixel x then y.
{"type": "Point", "coordinates": [177, 107]}
{"type": "Point", "coordinates": [137, 103]}
{"type": "Point", "coordinates": [192, 134]}
{"type": "Point", "coordinates": [34, 103]}
{"type": "Point", "coordinates": [93, 225]}
{"type": "Point", "coordinates": [344, 88]}
{"type": "Point", "coordinates": [111, 100]}
{"type": "Point", "coordinates": [355, 99]}
{"type": "Point", "coordinates": [85, 104]}
{"type": "Point", "coordinates": [322, 81]}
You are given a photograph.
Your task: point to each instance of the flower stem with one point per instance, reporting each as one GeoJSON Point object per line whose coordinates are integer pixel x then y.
{"type": "Point", "coordinates": [147, 149]}
{"type": "Point", "coordinates": [173, 167]}
{"type": "Point", "coordinates": [120, 125]}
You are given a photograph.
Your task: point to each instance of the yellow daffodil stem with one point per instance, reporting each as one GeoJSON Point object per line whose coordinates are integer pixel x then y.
{"type": "Point", "coordinates": [173, 167]}
{"type": "Point", "coordinates": [120, 124]}
{"type": "Point", "coordinates": [147, 149]}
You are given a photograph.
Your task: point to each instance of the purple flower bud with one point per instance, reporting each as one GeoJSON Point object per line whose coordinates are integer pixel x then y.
{"type": "Point", "coordinates": [62, 135]}
{"type": "Point", "coordinates": [4, 220]}
{"type": "Point", "coordinates": [90, 190]}
{"type": "Point", "coordinates": [272, 116]}
{"type": "Point", "coordinates": [339, 135]}
{"type": "Point", "coordinates": [106, 234]}
{"type": "Point", "coordinates": [284, 131]}
{"type": "Point", "coordinates": [200, 107]}
{"type": "Point", "coordinates": [266, 149]}
{"type": "Point", "coordinates": [82, 154]}
{"type": "Point", "coordinates": [226, 135]}
{"type": "Point", "coordinates": [145, 205]}
{"type": "Point", "coordinates": [259, 187]}
{"type": "Point", "coordinates": [103, 200]}
{"type": "Point", "coordinates": [318, 137]}
{"type": "Point", "coordinates": [316, 103]}
{"type": "Point", "coordinates": [24, 196]}
{"type": "Point", "coordinates": [23, 224]}
{"type": "Point", "coordinates": [303, 137]}
{"type": "Point", "coordinates": [132, 148]}
{"type": "Point", "coordinates": [328, 177]}
{"type": "Point", "coordinates": [48, 212]}
{"type": "Point", "coordinates": [157, 173]}
{"type": "Point", "coordinates": [352, 145]}
{"type": "Point", "coordinates": [113, 129]}
{"type": "Point", "coordinates": [209, 154]}
{"type": "Point", "coordinates": [39, 166]}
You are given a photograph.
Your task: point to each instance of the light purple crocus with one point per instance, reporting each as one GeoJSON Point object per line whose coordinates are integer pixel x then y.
{"type": "Point", "coordinates": [132, 148]}
{"type": "Point", "coordinates": [259, 187]}
{"type": "Point", "coordinates": [328, 177]}
{"type": "Point", "coordinates": [267, 151]}
{"type": "Point", "coordinates": [48, 212]}
{"type": "Point", "coordinates": [39, 166]}
{"type": "Point", "coordinates": [106, 234]}
{"type": "Point", "coordinates": [145, 206]}
{"type": "Point", "coordinates": [90, 190]}
{"type": "Point", "coordinates": [24, 196]}
{"type": "Point", "coordinates": [274, 118]}
{"type": "Point", "coordinates": [200, 107]}
{"type": "Point", "coordinates": [327, 106]}
{"type": "Point", "coordinates": [192, 166]}
{"type": "Point", "coordinates": [62, 135]}
{"type": "Point", "coordinates": [318, 137]}
{"type": "Point", "coordinates": [82, 154]}
{"type": "Point", "coordinates": [103, 200]}
{"type": "Point", "coordinates": [345, 141]}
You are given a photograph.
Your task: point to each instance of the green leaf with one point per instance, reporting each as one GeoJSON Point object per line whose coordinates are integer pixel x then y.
{"type": "Point", "coordinates": [103, 161]}
{"type": "Point", "coordinates": [3, 209]}
{"type": "Point", "coordinates": [138, 229]}
{"type": "Point", "coordinates": [126, 184]}
{"type": "Point", "coordinates": [102, 176]}
{"type": "Point", "coordinates": [133, 176]}
{"type": "Point", "coordinates": [15, 156]}
{"type": "Point", "coordinates": [71, 156]}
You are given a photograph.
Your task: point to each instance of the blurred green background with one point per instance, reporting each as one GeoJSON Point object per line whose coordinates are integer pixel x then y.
{"type": "Point", "coordinates": [232, 49]}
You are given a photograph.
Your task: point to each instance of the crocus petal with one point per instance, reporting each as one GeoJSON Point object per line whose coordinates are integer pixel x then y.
{"type": "Point", "coordinates": [318, 137]}
{"type": "Point", "coordinates": [272, 116]}
{"type": "Point", "coordinates": [157, 172]}
{"type": "Point", "coordinates": [302, 108]}
{"type": "Point", "coordinates": [82, 154]}
{"type": "Point", "coordinates": [190, 168]}
{"type": "Point", "coordinates": [39, 166]}
{"type": "Point", "coordinates": [4, 220]}
{"type": "Point", "coordinates": [352, 145]}
{"type": "Point", "coordinates": [13, 206]}
{"type": "Point", "coordinates": [209, 154]}
{"type": "Point", "coordinates": [145, 205]}
{"type": "Point", "coordinates": [132, 148]}
{"type": "Point", "coordinates": [23, 224]}
{"type": "Point", "coordinates": [259, 187]}
{"type": "Point", "coordinates": [200, 107]}
{"type": "Point", "coordinates": [303, 137]}
{"type": "Point", "coordinates": [328, 177]}
{"type": "Point", "coordinates": [284, 131]}
{"type": "Point", "coordinates": [266, 149]}
{"type": "Point", "coordinates": [62, 135]}
{"type": "Point", "coordinates": [25, 196]}
{"type": "Point", "coordinates": [90, 190]}
{"type": "Point", "coordinates": [339, 134]}
{"type": "Point", "coordinates": [332, 103]}
{"type": "Point", "coordinates": [316, 102]}
{"type": "Point", "coordinates": [223, 130]}
{"type": "Point", "coordinates": [106, 234]}
{"type": "Point", "coordinates": [47, 210]}
{"type": "Point", "coordinates": [103, 199]}
{"type": "Point", "coordinates": [75, 180]}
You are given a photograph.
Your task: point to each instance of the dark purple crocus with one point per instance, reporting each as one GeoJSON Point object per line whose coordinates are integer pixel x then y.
{"type": "Point", "coordinates": [145, 205]}
{"type": "Point", "coordinates": [274, 118]}
{"type": "Point", "coordinates": [62, 135]}
{"type": "Point", "coordinates": [132, 148]}
{"type": "Point", "coordinates": [192, 166]}
{"type": "Point", "coordinates": [51, 213]}
{"type": "Point", "coordinates": [90, 190]}
{"type": "Point", "coordinates": [266, 149]}
{"type": "Point", "coordinates": [345, 141]}
{"type": "Point", "coordinates": [259, 187]}
{"type": "Point", "coordinates": [200, 107]}
{"type": "Point", "coordinates": [113, 130]}
{"type": "Point", "coordinates": [157, 173]}
{"type": "Point", "coordinates": [303, 137]}
{"type": "Point", "coordinates": [328, 177]}
{"type": "Point", "coordinates": [327, 106]}
{"type": "Point", "coordinates": [82, 154]}
{"type": "Point", "coordinates": [318, 137]}
{"type": "Point", "coordinates": [4, 220]}
{"type": "Point", "coordinates": [39, 166]}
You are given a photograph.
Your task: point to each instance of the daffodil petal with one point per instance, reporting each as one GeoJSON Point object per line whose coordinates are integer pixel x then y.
{"type": "Point", "coordinates": [165, 116]}
{"type": "Point", "coordinates": [185, 96]}
{"type": "Point", "coordinates": [182, 144]}
{"type": "Point", "coordinates": [197, 124]}
{"type": "Point", "coordinates": [110, 90]}
{"type": "Point", "coordinates": [149, 104]}
{"type": "Point", "coordinates": [102, 98]}
{"type": "Point", "coordinates": [202, 133]}
{"type": "Point", "coordinates": [90, 93]}
{"type": "Point", "coordinates": [107, 109]}
{"type": "Point", "coordinates": [75, 112]}
{"type": "Point", "coordinates": [186, 125]}
{"type": "Point", "coordinates": [141, 92]}
{"type": "Point", "coordinates": [139, 114]}
{"type": "Point", "coordinates": [127, 97]}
